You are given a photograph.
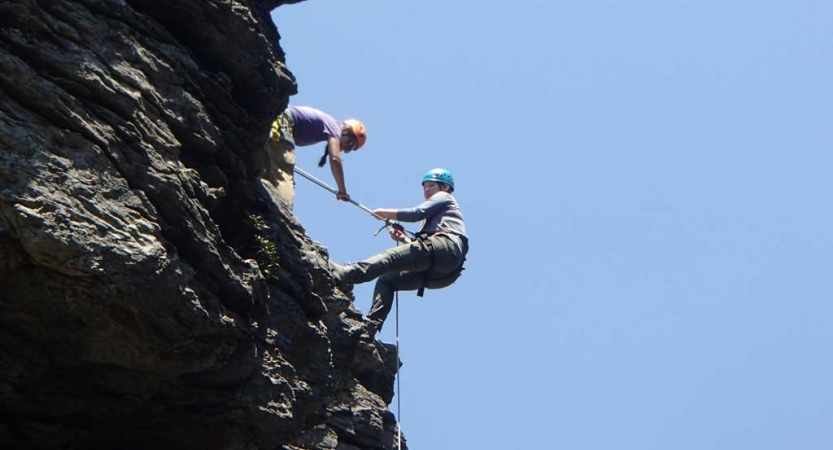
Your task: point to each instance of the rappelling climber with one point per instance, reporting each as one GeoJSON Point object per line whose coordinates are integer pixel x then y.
{"type": "Point", "coordinates": [302, 126]}
{"type": "Point", "coordinates": [433, 259]}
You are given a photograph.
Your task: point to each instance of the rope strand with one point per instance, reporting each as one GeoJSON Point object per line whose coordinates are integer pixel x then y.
{"type": "Point", "coordinates": [398, 377]}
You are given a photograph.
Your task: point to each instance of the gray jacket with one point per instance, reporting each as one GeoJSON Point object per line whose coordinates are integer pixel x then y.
{"type": "Point", "coordinates": [441, 215]}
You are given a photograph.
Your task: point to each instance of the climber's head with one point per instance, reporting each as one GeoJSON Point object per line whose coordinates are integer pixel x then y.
{"type": "Point", "coordinates": [436, 180]}
{"type": "Point", "coordinates": [353, 135]}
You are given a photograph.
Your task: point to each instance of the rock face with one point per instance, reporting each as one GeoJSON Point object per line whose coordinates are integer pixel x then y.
{"type": "Point", "coordinates": [153, 294]}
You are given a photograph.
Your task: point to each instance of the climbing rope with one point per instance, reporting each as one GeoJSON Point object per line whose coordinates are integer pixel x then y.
{"type": "Point", "coordinates": [398, 387]}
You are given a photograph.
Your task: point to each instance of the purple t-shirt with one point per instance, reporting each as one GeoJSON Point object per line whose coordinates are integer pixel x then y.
{"type": "Point", "coordinates": [312, 126]}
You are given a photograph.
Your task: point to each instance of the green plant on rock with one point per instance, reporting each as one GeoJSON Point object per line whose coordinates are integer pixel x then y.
{"type": "Point", "coordinates": [266, 254]}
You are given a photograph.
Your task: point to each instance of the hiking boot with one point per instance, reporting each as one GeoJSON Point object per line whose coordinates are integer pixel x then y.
{"type": "Point", "coordinates": [371, 327]}
{"type": "Point", "coordinates": [340, 275]}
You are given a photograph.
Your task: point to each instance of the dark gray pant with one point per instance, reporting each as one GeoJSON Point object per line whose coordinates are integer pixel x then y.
{"type": "Point", "coordinates": [405, 268]}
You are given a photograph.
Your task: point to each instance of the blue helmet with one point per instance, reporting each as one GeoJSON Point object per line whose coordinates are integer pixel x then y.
{"type": "Point", "coordinates": [440, 176]}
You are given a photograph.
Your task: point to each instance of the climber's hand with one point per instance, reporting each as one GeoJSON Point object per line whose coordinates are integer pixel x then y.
{"type": "Point", "coordinates": [397, 233]}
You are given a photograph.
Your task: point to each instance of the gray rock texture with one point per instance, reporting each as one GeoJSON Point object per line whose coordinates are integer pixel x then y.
{"type": "Point", "coordinates": [153, 294]}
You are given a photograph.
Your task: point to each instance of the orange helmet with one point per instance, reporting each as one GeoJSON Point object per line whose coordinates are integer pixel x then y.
{"type": "Point", "coordinates": [358, 130]}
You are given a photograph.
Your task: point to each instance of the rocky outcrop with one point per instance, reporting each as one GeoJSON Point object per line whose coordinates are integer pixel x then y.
{"type": "Point", "coordinates": [153, 292]}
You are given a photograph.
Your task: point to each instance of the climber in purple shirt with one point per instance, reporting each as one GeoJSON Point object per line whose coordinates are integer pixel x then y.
{"type": "Point", "coordinates": [302, 126]}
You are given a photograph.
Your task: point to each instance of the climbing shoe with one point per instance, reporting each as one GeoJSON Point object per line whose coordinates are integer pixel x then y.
{"type": "Point", "coordinates": [340, 275]}
{"type": "Point", "coordinates": [371, 327]}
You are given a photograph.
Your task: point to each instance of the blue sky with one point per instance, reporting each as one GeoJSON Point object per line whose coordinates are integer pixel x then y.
{"type": "Point", "coordinates": [647, 190]}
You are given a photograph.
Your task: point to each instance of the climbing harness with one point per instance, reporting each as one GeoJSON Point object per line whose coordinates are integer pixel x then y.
{"type": "Point", "coordinates": [431, 259]}
{"type": "Point", "coordinates": [453, 275]}
{"type": "Point", "coordinates": [388, 224]}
